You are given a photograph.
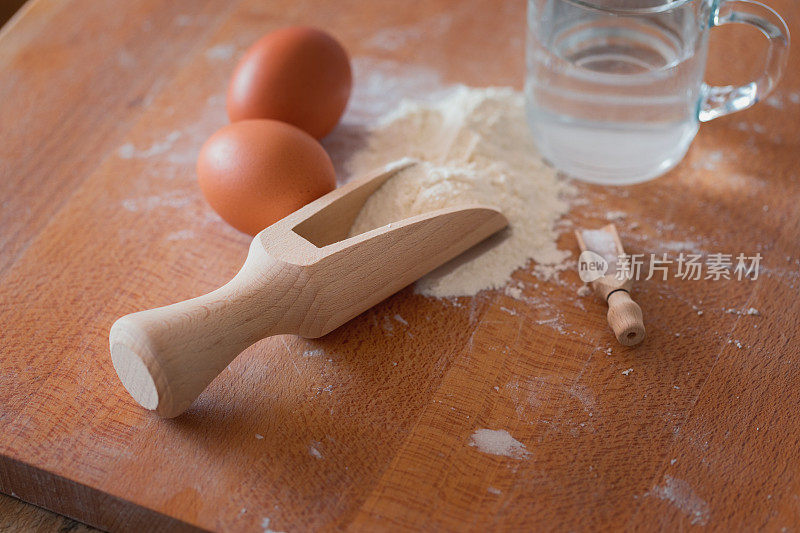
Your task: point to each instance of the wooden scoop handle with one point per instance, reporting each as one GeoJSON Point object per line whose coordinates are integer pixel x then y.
{"type": "Point", "coordinates": [625, 318]}
{"type": "Point", "coordinates": [166, 357]}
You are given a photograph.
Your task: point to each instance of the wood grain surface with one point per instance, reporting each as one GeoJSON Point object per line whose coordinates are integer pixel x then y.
{"type": "Point", "coordinates": [16, 515]}
{"type": "Point", "coordinates": [103, 110]}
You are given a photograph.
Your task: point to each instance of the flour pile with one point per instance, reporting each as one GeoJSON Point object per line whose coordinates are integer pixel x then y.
{"type": "Point", "coordinates": [498, 442]}
{"type": "Point", "coordinates": [474, 148]}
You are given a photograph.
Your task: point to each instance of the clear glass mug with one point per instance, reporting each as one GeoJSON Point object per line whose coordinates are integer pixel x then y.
{"type": "Point", "coordinates": [614, 89]}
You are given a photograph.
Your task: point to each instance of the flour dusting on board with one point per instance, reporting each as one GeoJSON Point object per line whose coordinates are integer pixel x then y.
{"type": "Point", "coordinates": [380, 85]}
{"type": "Point", "coordinates": [265, 527]}
{"type": "Point", "coordinates": [679, 493]}
{"type": "Point", "coordinates": [498, 442]}
{"type": "Point", "coordinates": [129, 151]}
{"type": "Point", "coordinates": [472, 147]}
{"type": "Point", "coordinates": [313, 450]}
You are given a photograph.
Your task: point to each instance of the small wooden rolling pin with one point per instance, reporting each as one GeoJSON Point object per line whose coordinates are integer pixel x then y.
{"type": "Point", "coordinates": [624, 315]}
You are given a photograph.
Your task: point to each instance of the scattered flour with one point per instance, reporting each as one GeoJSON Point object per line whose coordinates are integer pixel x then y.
{"type": "Point", "coordinates": [221, 51]}
{"type": "Point", "coordinates": [397, 37]}
{"type": "Point", "coordinates": [751, 311]}
{"type": "Point", "coordinates": [498, 442]}
{"type": "Point", "coordinates": [627, 372]}
{"type": "Point", "coordinates": [175, 199]}
{"type": "Point", "coordinates": [514, 292]}
{"type": "Point", "coordinates": [313, 450]}
{"type": "Point", "coordinates": [584, 290]}
{"type": "Point", "coordinates": [380, 85]}
{"type": "Point", "coordinates": [129, 151]}
{"type": "Point", "coordinates": [181, 235]}
{"type": "Point", "coordinates": [680, 494]}
{"type": "Point", "coordinates": [472, 147]}
{"type": "Point", "coordinates": [775, 101]}
{"type": "Point", "coordinates": [265, 526]}
{"type": "Point", "coordinates": [183, 20]}
{"type": "Point", "coordinates": [679, 246]}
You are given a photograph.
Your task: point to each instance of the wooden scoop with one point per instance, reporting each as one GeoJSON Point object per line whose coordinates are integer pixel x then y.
{"type": "Point", "coordinates": [624, 315]}
{"type": "Point", "coordinates": [303, 275]}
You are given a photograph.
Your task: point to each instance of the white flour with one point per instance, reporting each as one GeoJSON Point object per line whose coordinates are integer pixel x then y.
{"type": "Point", "coordinates": [680, 494]}
{"type": "Point", "coordinates": [498, 442]}
{"type": "Point", "coordinates": [474, 147]}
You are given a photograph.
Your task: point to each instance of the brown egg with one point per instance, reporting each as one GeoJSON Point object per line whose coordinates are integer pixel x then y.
{"type": "Point", "coordinates": [297, 75]}
{"type": "Point", "coordinates": [255, 172]}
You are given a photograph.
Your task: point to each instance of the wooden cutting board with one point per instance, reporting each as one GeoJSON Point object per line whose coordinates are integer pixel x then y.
{"type": "Point", "coordinates": [103, 110]}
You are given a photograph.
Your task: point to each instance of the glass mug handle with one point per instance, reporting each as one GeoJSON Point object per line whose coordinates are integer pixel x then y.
{"type": "Point", "coordinates": [720, 101]}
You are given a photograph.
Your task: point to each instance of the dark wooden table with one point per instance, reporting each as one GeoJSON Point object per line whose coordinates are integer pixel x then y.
{"type": "Point", "coordinates": [103, 109]}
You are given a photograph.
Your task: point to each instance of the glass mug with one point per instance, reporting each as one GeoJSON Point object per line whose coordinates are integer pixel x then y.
{"type": "Point", "coordinates": [614, 90]}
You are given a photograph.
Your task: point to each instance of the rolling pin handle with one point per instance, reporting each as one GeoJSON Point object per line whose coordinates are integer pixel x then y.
{"type": "Point", "coordinates": [625, 318]}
